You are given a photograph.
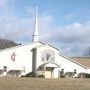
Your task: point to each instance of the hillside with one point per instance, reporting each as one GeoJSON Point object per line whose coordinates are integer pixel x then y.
{"type": "Point", "coordinates": [7, 43]}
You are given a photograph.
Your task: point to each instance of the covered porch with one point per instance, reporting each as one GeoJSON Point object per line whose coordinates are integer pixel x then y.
{"type": "Point", "coordinates": [46, 69]}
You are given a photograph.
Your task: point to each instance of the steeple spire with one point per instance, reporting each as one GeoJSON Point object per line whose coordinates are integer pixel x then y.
{"type": "Point", "coordinates": [36, 34]}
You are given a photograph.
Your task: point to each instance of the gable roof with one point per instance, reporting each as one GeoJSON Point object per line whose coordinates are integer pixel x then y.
{"type": "Point", "coordinates": [48, 63]}
{"type": "Point", "coordinates": [83, 60]}
{"type": "Point", "coordinates": [48, 45]}
{"type": "Point", "coordinates": [14, 47]}
{"type": "Point", "coordinates": [72, 60]}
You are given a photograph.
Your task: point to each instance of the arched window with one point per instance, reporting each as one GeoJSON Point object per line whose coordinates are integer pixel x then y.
{"type": "Point", "coordinates": [47, 55]}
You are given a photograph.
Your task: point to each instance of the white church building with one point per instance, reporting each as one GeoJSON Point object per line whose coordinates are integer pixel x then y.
{"type": "Point", "coordinates": [37, 58]}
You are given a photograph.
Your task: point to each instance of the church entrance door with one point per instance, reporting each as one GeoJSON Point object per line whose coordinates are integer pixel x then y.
{"type": "Point", "coordinates": [48, 72]}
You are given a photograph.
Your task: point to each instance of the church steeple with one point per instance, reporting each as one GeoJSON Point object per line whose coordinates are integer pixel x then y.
{"type": "Point", "coordinates": [36, 34]}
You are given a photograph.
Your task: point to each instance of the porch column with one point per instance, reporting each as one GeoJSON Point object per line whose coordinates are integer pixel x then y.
{"type": "Point", "coordinates": [44, 70]}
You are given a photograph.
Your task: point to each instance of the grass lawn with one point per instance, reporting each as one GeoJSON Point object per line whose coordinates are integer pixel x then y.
{"type": "Point", "coordinates": [43, 84]}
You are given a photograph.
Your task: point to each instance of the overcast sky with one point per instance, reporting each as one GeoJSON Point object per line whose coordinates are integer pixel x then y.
{"type": "Point", "coordinates": [62, 23]}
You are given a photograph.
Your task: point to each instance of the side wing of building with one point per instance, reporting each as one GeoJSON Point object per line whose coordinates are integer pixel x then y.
{"type": "Point", "coordinates": [50, 59]}
{"type": "Point", "coordinates": [69, 65]}
{"type": "Point", "coordinates": [18, 58]}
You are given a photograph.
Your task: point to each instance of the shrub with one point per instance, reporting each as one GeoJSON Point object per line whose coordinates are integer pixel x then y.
{"type": "Point", "coordinates": [87, 75]}
{"type": "Point", "coordinates": [62, 75]}
{"type": "Point", "coordinates": [69, 74]}
{"type": "Point", "coordinates": [83, 75]}
{"type": "Point", "coordinates": [31, 74]}
{"type": "Point", "coordinates": [41, 76]}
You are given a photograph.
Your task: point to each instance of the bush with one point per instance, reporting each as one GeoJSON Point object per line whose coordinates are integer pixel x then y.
{"type": "Point", "coordinates": [83, 75]}
{"type": "Point", "coordinates": [87, 75]}
{"type": "Point", "coordinates": [31, 74]}
{"type": "Point", "coordinates": [69, 74]}
{"type": "Point", "coordinates": [62, 75]}
{"type": "Point", "coordinates": [41, 76]}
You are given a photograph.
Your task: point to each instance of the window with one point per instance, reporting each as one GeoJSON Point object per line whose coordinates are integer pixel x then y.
{"type": "Point", "coordinates": [5, 68]}
{"type": "Point", "coordinates": [62, 70]}
{"type": "Point", "coordinates": [47, 56]}
{"type": "Point", "coordinates": [49, 69]}
{"type": "Point", "coordinates": [75, 71]}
